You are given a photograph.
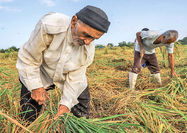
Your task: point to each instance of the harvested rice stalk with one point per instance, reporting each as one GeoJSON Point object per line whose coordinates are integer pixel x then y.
{"type": "Point", "coordinates": [70, 123]}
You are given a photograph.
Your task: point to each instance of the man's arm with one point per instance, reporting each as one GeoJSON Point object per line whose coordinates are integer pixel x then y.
{"type": "Point", "coordinates": [74, 85]}
{"type": "Point", "coordinates": [139, 39]}
{"type": "Point", "coordinates": [29, 61]}
{"type": "Point", "coordinates": [172, 64]}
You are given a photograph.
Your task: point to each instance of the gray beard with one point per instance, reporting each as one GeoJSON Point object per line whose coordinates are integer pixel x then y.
{"type": "Point", "coordinates": [78, 42]}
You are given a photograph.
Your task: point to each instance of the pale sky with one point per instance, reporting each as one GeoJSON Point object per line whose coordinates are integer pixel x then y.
{"type": "Point", "coordinates": [19, 17]}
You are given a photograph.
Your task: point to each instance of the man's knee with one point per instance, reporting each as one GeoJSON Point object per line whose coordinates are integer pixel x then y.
{"type": "Point", "coordinates": [82, 109]}
{"type": "Point", "coordinates": [154, 69]}
{"type": "Point", "coordinates": [136, 70]}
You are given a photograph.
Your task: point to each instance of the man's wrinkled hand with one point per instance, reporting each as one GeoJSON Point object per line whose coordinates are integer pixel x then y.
{"type": "Point", "coordinates": [61, 110]}
{"type": "Point", "coordinates": [40, 95]}
{"type": "Point", "coordinates": [173, 74]}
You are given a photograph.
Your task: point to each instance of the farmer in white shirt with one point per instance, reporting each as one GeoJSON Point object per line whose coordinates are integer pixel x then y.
{"type": "Point", "coordinates": [57, 54]}
{"type": "Point", "coordinates": [144, 53]}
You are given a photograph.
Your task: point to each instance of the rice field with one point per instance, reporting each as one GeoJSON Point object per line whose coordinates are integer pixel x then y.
{"type": "Point", "coordinates": [114, 107]}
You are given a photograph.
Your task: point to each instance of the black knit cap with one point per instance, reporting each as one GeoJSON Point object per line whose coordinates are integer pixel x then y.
{"type": "Point", "coordinates": [94, 17]}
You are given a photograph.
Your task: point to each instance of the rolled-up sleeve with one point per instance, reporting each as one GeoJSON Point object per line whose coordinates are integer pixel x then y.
{"type": "Point", "coordinates": [149, 34]}
{"type": "Point", "coordinates": [30, 58]}
{"type": "Point", "coordinates": [170, 48]}
{"type": "Point", "coordinates": [74, 85]}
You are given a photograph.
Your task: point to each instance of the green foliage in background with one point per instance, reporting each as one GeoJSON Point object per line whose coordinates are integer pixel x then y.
{"type": "Point", "coordinates": [11, 49]}
{"type": "Point", "coordinates": [124, 43]}
{"type": "Point", "coordinates": [183, 41]}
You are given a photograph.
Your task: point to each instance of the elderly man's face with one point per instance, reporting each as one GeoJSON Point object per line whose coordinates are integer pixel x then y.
{"type": "Point", "coordinates": [163, 39]}
{"type": "Point", "coordinates": [83, 34]}
{"type": "Point", "coordinates": [167, 41]}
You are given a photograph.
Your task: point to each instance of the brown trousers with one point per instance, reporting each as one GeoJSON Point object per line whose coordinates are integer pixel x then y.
{"type": "Point", "coordinates": [149, 59]}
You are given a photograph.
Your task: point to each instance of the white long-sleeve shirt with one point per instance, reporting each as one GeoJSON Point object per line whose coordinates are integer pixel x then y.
{"type": "Point", "coordinates": [50, 57]}
{"type": "Point", "coordinates": [148, 38]}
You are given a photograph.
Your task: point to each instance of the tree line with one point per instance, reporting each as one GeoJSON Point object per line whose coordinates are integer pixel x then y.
{"type": "Point", "coordinates": [183, 41]}
{"type": "Point", "coordinates": [120, 44]}
{"type": "Point", "coordinates": [131, 44]}
{"type": "Point", "coordinates": [11, 49]}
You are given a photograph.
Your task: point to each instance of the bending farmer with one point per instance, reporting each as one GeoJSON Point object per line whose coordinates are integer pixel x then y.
{"type": "Point", "coordinates": [57, 54]}
{"type": "Point", "coordinates": [144, 53]}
